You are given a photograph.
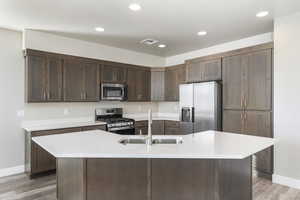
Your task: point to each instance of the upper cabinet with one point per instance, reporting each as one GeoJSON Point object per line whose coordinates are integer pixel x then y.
{"type": "Point", "coordinates": [81, 80]}
{"type": "Point", "coordinates": [139, 84]}
{"type": "Point", "coordinates": [174, 76]}
{"type": "Point", "coordinates": [203, 70]}
{"type": "Point", "coordinates": [113, 73]}
{"type": "Point", "coordinates": [158, 84]}
{"type": "Point", "coordinates": [247, 81]}
{"type": "Point", "coordinates": [43, 77]}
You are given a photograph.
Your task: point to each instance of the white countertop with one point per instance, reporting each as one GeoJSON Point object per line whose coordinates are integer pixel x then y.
{"type": "Point", "coordinates": [41, 125]}
{"type": "Point", "coordinates": [204, 145]}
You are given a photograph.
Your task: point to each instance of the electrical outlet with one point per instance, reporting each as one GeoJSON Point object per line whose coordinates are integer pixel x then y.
{"type": "Point", "coordinates": [20, 113]}
{"type": "Point", "coordinates": [66, 111]}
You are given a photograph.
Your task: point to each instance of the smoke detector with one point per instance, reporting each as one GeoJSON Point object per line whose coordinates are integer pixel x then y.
{"type": "Point", "coordinates": [149, 42]}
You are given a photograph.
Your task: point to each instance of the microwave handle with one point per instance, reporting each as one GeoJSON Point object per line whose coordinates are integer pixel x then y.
{"type": "Point", "coordinates": [125, 93]}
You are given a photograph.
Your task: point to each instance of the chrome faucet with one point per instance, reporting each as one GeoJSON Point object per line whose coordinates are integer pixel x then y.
{"type": "Point", "coordinates": [149, 139]}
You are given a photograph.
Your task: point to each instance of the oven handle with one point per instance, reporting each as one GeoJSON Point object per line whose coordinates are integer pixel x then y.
{"type": "Point", "coordinates": [120, 128]}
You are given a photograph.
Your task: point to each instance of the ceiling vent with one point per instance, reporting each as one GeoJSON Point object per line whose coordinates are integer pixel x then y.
{"type": "Point", "coordinates": [149, 42]}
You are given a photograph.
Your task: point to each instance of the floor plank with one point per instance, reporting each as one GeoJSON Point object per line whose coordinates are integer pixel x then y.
{"type": "Point", "coordinates": [20, 187]}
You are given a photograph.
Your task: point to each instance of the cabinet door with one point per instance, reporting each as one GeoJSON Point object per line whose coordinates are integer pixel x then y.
{"type": "Point", "coordinates": [131, 84]}
{"type": "Point", "coordinates": [233, 121]}
{"type": "Point", "coordinates": [91, 82]}
{"type": "Point", "coordinates": [35, 78]}
{"type": "Point", "coordinates": [194, 71]}
{"type": "Point", "coordinates": [42, 160]}
{"type": "Point", "coordinates": [212, 70]}
{"type": "Point", "coordinates": [186, 128]}
{"type": "Point", "coordinates": [113, 74]}
{"type": "Point", "coordinates": [170, 85]}
{"type": "Point", "coordinates": [54, 79]}
{"type": "Point", "coordinates": [233, 81]}
{"type": "Point", "coordinates": [158, 127]}
{"type": "Point", "coordinates": [157, 85]}
{"type": "Point", "coordinates": [141, 127]}
{"type": "Point", "coordinates": [259, 81]}
{"type": "Point", "coordinates": [258, 123]}
{"type": "Point", "coordinates": [174, 76]}
{"type": "Point", "coordinates": [208, 70]}
{"type": "Point", "coordinates": [172, 128]}
{"type": "Point", "coordinates": [73, 80]}
{"type": "Point", "coordinates": [143, 85]}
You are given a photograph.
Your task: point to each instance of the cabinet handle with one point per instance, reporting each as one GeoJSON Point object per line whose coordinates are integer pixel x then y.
{"type": "Point", "coordinates": [245, 102]}
{"type": "Point", "coordinates": [48, 95]}
{"type": "Point", "coordinates": [44, 95]}
{"type": "Point", "coordinates": [85, 95]}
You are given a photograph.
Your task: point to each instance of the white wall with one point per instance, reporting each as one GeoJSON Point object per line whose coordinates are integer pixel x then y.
{"type": "Point", "coordinates": [58, 44]}
{"type": "Point", "coordinates": [229, 46]}
{"type": "Point", "coordinates": [11, 99]}
{"type": "Point", "coordinates": [287, 98]}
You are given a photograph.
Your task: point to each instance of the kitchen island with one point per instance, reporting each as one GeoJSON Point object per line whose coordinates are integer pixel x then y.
{"type": "Point", "coordinates": [205, 166]}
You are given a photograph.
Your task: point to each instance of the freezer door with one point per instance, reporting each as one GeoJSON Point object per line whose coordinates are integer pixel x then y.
{"type": "Point", "coordinates": [207, 106]}
{"type": "Point", "coordinates": [186, 95]}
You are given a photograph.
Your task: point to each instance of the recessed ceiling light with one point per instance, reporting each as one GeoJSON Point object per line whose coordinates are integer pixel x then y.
{"type": "Point", "coordinates": [162, 46]}
{"type": "Point", "coordinates": [262, 14]}
{"type": "Point", "coordinates": [135, 7]}
{"type": "Point", "coordinates": [99, 29]}
{"type": "Point", "coordinates": [202, 33]}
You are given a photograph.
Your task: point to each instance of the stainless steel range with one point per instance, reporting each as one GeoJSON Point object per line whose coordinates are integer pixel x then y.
{"type": "Point", "coordinates": [116, 123]}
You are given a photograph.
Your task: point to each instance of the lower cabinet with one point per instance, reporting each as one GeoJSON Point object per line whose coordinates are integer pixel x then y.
{"type": "Point", "coordinates": [39, 160]}
{"type": "Point", "coordinates": [172, 128]}
{"type": "Point", "coordinates": [163, 127]}
{"type": "Point", "coordinates": [255, 123]}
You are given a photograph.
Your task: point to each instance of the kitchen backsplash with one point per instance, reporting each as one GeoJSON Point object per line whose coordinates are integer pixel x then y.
{"type": "Point", "coordinates": [42, 111]}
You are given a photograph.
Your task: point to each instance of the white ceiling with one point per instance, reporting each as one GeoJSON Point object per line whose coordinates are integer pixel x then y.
{"type": "Point", "coordinates": [173, 22]}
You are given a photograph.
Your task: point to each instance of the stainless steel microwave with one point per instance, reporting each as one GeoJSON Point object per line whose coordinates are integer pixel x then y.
{"type": "Point", "coordinates": [113, 92]}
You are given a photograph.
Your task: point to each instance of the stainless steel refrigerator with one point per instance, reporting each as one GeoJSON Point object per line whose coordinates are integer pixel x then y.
{"type": "Point", "coordinates": [200, 105]}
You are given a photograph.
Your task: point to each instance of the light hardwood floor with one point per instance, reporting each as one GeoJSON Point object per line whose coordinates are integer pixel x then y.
{"type": "Point", "coordinates": [20, 187]}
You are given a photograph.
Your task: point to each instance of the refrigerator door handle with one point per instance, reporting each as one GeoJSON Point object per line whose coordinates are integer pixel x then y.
{"type": "Point", "coordinates": [192, 116]}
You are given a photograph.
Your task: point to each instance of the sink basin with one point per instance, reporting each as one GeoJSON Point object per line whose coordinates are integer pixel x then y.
{"type": "Point", "coordinates": [133, 141]}
{"type": "Point", "coordinates": [167, 141]}
{"type": "Point", "coordinates": [176, 140]}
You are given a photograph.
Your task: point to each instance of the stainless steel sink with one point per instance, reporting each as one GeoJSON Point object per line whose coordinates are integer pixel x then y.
{"type": "Point", "coordinates": [133, 141]}
{"type": "Point", "coordinates": [167, 141]}
{"type": "Point", "coordinates": [126, 141]}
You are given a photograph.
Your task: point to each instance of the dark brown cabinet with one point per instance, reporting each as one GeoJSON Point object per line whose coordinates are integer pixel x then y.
{"type": "Point", "coordinates": [203, 70]}
{"type": "Point", "coordinates": [247, 81]}
{"type": "Point", "coordinates": [141, 127]}
{"type": "Point", "coordinates": [81, 80]}
{"type": "Point", "coordinates": [259, 81]}
{"type": "Point", "coordinates": [113, 73]}
{"type": "Point", "coordinates": [174, 76]}
{"type": "Point", "coordinates": [255, 123]}
{"type": "Point", "coordinates": [158, 84]}
{"type": "Point", "coordinates": [233, 81]}
{"type": "Point", "coordinates": [139, 84]}
{"type": "Point", "coordinates": [39, 160]}
{"type": "Point", "coordinates": [158, 127]}
{"type": "Point", "coordinates": [172, 128]}
{"type": "Point", "coordinates": [43, 77]}
{"type": "Point", "coordinates": [233, 121]}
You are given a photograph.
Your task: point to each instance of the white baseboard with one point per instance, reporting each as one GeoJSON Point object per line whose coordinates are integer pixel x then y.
{"type": "Point", "coordinates": [12, 170]}
{"type": "Point", "coordinates": [283, 180]}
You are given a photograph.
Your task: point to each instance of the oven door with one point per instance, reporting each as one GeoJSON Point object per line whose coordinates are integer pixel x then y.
{"type": "Point", "coordinates": [113, 92]}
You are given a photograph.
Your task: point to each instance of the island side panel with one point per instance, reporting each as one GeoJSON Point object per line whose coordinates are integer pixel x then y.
{"type": "Point", "coordinates": [71, 179]}
{"type": "Point", "coordinates": [117, 179]}
{"type": "Point", "coordinates": [188, 179]}
{"type": "Point", "coordinates": [234, 179]}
